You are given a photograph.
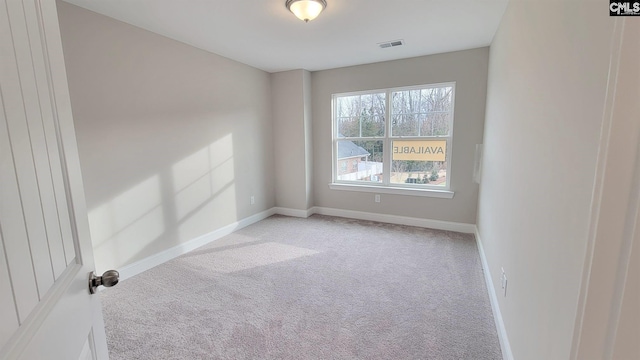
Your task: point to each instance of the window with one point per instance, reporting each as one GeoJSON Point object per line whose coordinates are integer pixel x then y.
{"type": "Point", "coordinates": [411, 151]}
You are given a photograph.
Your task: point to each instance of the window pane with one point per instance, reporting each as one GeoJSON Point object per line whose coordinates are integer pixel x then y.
{"type": "Point", "coordinates": [366, 104]}
{"type": "Point", "coordinates": [435, 124]}
{"type": "Point", "coordinates": [405, 102]}
{"type": "Point", "coordinates": [361, 115]}
{"type": "Point", "coordinates": [360, 160]}
{"type": "Point", "coordinates": [423, 112]}
{"type": "Point", "coordinates": [348, 106]}
{"type": "Point", "coordinates": [380, 104]}
{"type": "Point", "coordinates": [404, 125]}
{"type": "Point", "coordinates": [438, 99]}
{"type": "Point", "coordinates": [398, 103]}
{"type": "Point", "coordinates": [348, 127]}
{"type": "Point", "coordinates": [372, 126]}
{"type": "Point", "coordinates": [419, 162]}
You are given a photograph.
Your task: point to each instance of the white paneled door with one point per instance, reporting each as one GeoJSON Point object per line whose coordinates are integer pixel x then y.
{"type": "Point", "coordinates": [46, 310]}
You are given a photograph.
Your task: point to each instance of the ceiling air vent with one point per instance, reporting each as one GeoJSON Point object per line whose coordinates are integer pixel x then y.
{"type": "Point", "coordinates": [388, 44]}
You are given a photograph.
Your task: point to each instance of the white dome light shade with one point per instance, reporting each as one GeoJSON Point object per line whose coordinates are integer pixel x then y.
{"type": "Point", "coordinates": [306, 9]}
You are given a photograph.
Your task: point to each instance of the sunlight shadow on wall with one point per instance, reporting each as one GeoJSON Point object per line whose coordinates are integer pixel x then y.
{"type": "Point", "coordinates": [128, 222]}
{"type": "Point", "coordinates": [183, 201]}
{"type": "Point", "coordinates": [204, 189]}
{"type": "Point", "coordinates": [201, 175]}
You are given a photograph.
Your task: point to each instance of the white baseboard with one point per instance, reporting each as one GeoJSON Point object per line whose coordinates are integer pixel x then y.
{"type": "Point", "coordinates": [497, 315]}
{"type": "Point", "coordinates": [172, 253]}
{"type": "Point", "coordinates": [293, 212]}
{"type": "Point", "coordinates": [400, 220]}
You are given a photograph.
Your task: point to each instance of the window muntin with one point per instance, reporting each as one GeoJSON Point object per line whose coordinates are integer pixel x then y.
{"type": "Point", "coordinates": [413, 150]}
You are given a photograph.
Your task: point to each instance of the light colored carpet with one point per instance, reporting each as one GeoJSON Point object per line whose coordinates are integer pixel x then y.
{"type": "Point", "coordinates": [316, 288]}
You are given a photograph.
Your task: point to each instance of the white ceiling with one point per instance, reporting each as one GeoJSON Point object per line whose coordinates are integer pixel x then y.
{"type": "Point", "coordinates": [265, 35]}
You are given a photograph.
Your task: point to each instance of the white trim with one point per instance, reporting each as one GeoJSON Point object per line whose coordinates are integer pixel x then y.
{"type": "Point", "coordinates": [614, 220]}
{"type": "Point", "coordinates": [172, 253]}
{"type": "Point", "coordinates": [388, 138]}
{"type": "Point", "coordinates": [443, 194]}
{"type": "Point", "coordinates": [400, 220]}
{"type": "Point", "coordinates": [598, 186]}
{"type": "Point", "coordinates": [293, 212]}
{"type": "Point", "coordinates": [497, 315]}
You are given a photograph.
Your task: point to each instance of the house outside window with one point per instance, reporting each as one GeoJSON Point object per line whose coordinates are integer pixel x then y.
{"type": "Point", "coordinates": [411, 151]}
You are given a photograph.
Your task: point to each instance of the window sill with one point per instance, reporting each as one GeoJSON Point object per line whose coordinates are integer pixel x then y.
{"type": "Point", "coordinates": [443, 194]}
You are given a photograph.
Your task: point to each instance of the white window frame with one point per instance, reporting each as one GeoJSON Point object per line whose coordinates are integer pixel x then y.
{"type": "Point", "coordinates": [386, 186]}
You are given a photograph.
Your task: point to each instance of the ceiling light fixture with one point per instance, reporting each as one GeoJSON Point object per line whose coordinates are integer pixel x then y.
{"type": "Point", "coordinates": [306, 10]}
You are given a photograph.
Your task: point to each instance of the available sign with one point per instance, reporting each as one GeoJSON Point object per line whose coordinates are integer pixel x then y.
{"type": "Point", "coordinates": [420, 150]}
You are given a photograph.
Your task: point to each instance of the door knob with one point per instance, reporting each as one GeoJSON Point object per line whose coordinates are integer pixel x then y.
{"type": "Point", "coordinates": [108, 279]}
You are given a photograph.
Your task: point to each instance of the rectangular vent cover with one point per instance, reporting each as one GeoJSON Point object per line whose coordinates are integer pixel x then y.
{"type": "Point", "coordinates": [388, 44]}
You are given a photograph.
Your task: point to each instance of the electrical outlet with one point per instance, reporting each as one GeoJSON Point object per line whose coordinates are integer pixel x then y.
{"type": "Point", "coordinates": [377, 198]}
{"type": "Point", "coordinates": [253, 200]}
{"type": "Point", "coordinates": [503, 281]}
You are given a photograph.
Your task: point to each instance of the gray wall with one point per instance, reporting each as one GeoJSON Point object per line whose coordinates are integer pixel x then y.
{"type": "Point", "coordinates": [545, 101]}
{"type": "Point", "coordinates": [173, 140]}
{"type": "Point", "coordinates": [308, 136]}
{"type": "Point", "coordinates": [291, 130]}
{"type": "Point", "coordinates": [468, 69]}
